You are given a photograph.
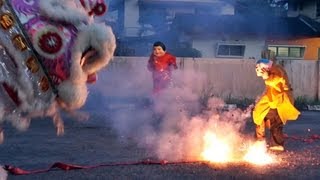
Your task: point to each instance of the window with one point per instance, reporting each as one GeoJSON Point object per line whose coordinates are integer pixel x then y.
{"type": "Point", "coordinates": [288, 51]}
{"type": "Point", "coordinates": [230, 50]}
{"type": "Point", "coordinates": [318, 8]}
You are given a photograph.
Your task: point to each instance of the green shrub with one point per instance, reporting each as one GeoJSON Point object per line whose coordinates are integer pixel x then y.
{"type": "Point", "coordinates": [302, 102]}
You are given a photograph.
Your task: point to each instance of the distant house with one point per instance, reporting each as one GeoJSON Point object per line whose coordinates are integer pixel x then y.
{"type": "Point", "coordinates": [310, 8]}
{"type": "Point", "coordinates": [307, 45]}
{"type": "Point", "coordinates": [213, 28]}
{"type": "Point", "coordinates": [238, 36]}
{"type": "Point", "coordinates": [130, 13]}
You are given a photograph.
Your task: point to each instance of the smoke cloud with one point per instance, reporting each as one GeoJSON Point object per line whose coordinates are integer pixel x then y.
{"type": "Point", "coordinates": [172, 124]}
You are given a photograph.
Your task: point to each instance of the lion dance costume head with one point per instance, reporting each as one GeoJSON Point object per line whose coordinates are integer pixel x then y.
{"type": "Point", "coordinates": [50, 50]}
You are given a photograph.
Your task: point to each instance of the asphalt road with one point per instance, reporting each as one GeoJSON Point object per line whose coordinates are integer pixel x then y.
{"type": "Point", "coordinates": [95, 142]}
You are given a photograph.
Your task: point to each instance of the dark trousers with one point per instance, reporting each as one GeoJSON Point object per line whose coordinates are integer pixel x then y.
{"type": "Point", "coordinates": [274, 123]}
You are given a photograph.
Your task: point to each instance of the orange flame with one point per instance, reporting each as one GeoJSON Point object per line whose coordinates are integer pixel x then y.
{"type": "Point", "coordinates": [257, 154]}
{"type": "Point", "coordinates": [221, 150]}
{"type": "Point", "coordinates": [215, 150]}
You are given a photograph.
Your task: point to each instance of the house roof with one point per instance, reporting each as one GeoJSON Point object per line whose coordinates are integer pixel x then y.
{"type": "Point", "coordinates": [270, 26]}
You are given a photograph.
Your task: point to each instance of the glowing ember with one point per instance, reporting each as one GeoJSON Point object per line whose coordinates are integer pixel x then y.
{"type": "Point", "coordinates": [257, 154]}
{"type": "Point", "coordinates": [215, 150]}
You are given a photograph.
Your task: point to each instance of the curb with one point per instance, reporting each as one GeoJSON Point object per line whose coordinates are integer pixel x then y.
{"type": "Point", "coordinates": [313, 107]}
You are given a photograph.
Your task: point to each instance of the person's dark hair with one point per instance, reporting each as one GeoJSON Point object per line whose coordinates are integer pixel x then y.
{"type": "Point", "coordinates": [159, 43]}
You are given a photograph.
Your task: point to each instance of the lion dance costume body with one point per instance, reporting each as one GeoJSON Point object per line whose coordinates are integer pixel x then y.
{"type": "Point", "coordinates": [50, 50]}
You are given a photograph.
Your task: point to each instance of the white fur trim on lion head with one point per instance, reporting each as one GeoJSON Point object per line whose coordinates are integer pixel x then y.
{"type": "Point", "coordinates": [98, 37]}
{"type": "Point", "coordinates": [72, 95]}
{"type": "Point", "coordinates": [70, 11]}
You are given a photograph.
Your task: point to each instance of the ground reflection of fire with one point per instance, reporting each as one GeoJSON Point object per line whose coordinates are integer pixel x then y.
{"type": "Point", "coordinates": [220, 150]}
{"type": "Point", "coordinates": [257, 154]}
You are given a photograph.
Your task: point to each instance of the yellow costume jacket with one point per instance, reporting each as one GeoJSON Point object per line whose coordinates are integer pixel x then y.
{"type": "Point", "coordinates": [277, 95]}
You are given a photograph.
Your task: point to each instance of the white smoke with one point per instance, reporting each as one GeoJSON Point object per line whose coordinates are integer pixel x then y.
{"type": "Point", "coordinates": [181, 133]}
{"type": "Point", "coordinates": [173, 125]}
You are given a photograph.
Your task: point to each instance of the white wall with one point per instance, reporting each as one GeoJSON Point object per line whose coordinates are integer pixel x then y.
{"type": "Point", "coordinates": [208, 47]}
{"type": "Point", "coordinates": [131, 17]}
{"type": "Point", "coordinates": [254, 48]}
{"type": "Point", "coordinates": [227, 9]}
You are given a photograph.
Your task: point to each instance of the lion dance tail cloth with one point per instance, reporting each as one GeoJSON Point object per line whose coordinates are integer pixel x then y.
{"type": "Point", "coordinates": [50, 49]}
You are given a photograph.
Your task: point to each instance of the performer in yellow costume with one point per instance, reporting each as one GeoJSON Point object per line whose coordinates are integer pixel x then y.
{"type": "Point", "coordinates": [276, 105]}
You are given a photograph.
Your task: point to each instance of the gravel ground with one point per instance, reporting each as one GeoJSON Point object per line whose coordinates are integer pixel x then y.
{"type": "Point", "coordinates": [95, 142]}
